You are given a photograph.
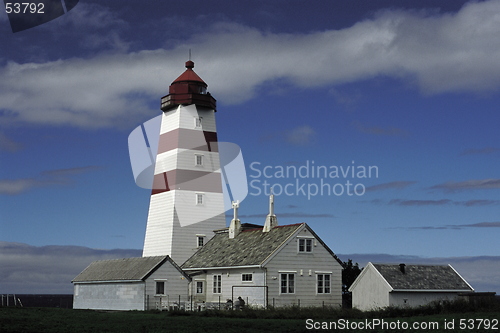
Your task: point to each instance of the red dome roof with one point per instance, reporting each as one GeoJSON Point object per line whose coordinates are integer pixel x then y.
{"type": "Point", "coordinates": [189, 74]}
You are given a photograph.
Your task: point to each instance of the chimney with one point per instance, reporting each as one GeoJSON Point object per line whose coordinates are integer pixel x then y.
{"type": "Point", "coordinates": [235, 226]}
{"type": "Point", "coordinates": [402, 268]}
{"type": "Point", "coordinates": [271, 219]}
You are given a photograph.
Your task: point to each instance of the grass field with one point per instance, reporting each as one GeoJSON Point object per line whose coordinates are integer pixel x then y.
{"type": "Point", "coordinates": [53, 320]}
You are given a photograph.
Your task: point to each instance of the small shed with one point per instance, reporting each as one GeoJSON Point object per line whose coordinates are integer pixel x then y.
{"type": "Point", "coordinates": [129, 284]}
{"type": "Point", "coordinates": [382, 285]}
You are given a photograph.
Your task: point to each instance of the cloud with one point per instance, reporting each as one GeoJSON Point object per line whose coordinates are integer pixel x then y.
{"type": "Point", "coordinates": [480, 184]}
{"type": "Point", "coordinates": [96, 26]}
{"type": "Point", "coordinates": [9, 145]}
{"type": "Point", "coordinates": [300, 136]}
{"type": "Point", "coordinates": [373, 201]}
{"type": "Point", "coordinates": [460, 226]}
{"type": "Point", "coordinates": [419, 202]}
{"type": "Point", "coordinates": [482, 272]}
{"type": "Point", "coordinates": [348, 100]}
{"type": "Point", "coordinates": [437, 52]}
{"type": "Point", "coordinates": [441, 202]}
{"type": "Point", "coordinates": [482, 151]}
{"type": "Point", "coordinates": [90, 16]}
{"type": "Point", "coordinates": [478, 202]}
{"type": "Point", "coordinates": [63, 173]}
{"type": "Point", "coordinates": [60, 177]}
{"type": "Point", "coordinates": [375, 130]}
{"type": "Point", "coordinates": [285, 215]}
{"type": "Point", "coordinates": [482, 225]}
{"type": "Point", "coordinates": [30, 269]}
{"type": "Point", "coordinates": [17, 186]}
{"type": "Point", "coordinates": [391, 185]}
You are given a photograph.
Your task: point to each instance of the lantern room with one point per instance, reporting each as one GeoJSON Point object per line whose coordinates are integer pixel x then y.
{"type": "Point", "coordinates": [188, 89]}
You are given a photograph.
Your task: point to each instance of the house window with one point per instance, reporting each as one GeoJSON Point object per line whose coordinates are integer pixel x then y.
{"type": "Point", "coordinates": [201, 241]}
{"type": "Point", "coordinates": [160, 287]}
{"type": "Point", "coordinates": [198, 160]}
{"type": "Point", "coordinates": [199, 287]}
{"type": "Point", "coordinates": [197, 122]}
{"type": "Point", "coordinates": [287, 283]}
{"type": "Point", "coordinates": [199, 199]}
{"type": "Point", "coordinates": [246, 277]}
{"type": "Point", "coordinates": [323, 283]}
{"type": "Point", "coordinates": [305, 245]}
{"type": "Point", "coordinates": [217, 284]}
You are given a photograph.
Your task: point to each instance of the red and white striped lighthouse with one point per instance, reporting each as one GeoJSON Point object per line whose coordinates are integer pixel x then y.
{"type": "Point", "coordinates": [187, 200]}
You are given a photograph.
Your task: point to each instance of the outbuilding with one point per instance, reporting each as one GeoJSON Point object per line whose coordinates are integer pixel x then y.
{"type": "Point", "coordinates": [401, 285]}
{"type": "Point", "coordinates": [130, 284]}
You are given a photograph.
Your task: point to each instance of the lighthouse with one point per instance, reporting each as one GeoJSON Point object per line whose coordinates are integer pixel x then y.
{"type": "Point", "coordinates": [187, 202]}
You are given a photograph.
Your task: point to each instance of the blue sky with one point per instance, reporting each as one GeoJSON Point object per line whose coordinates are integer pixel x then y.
{"type": "Point", "coordinates": [409, 87]}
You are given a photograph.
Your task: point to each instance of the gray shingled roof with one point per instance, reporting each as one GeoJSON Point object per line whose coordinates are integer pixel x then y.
{"type": "Point", "coordinates": [422, 277]}
{"type": "Point", "coordinates": [249, 247]}
{"type": "Point", "coordinates": [120, 269]}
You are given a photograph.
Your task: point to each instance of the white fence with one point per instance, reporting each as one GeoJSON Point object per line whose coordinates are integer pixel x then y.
{"type": "Point", "coordinates": [11, 300]}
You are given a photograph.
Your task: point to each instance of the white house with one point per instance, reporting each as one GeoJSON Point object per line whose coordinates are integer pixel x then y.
{"type": "Point", "coordinates": [130, 284]}
{"type": "Point", "coordinates": [382, 285]}
{"type": "Point", "coordinates": [287, 265]}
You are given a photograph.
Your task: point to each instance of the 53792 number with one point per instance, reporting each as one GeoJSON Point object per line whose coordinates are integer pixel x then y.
{"type": "Point", "coordinates": [24, 7]}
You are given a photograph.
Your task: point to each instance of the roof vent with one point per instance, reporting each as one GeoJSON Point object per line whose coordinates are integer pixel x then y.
{"type": "Point", "coordinates": [271, 219]}
{"type": "Point", "coordinates": [402, 268]}
{"type": "Point", "coordinates": [235, 226]}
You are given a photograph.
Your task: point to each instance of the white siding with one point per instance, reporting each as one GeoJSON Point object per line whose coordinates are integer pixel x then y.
{"type": "Point", "coordinates": [166, 236]}
{"type": "Point", "coordinates": [185, 237]}
{"type": "Point", "coordinates": [176, 284]}
{"type": "Point", "coordinates": [170, 120]}
{"type": "Point", "coordinates": [109, 296]}
{"type": "Point", "coordinates": [158, 239]}
{"type": "Point", "coordinates": [232, 287]}
{"type": "Point", "coordinates": [185, 159]}
{"type": "Point", "coordinates": [210, 211]}
{"type": "Point", "coordinates": [183, 117]}
{"type": "Point", "coordinates": [370, 291]}
{"type": "Point", "coordinates": [166, 161]}
{"type": "Point", "coordinates": [306, 266]}
{"type": "Point", "coordinates": [191, 111]}
{"type": "Point", "coordinates": [414, 299]}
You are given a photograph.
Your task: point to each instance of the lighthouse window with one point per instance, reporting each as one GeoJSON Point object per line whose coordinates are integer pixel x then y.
{"type": "Point", "coordinates": [203, 90]}
{"type": "Point", "coordinates": [198, 122]}
{"type": "Point", "coordinates": [201, 241]}
{"type": "Point", "coordinates": [198, 160]}
{"type": "Point", "coordinates": [199, 199]}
